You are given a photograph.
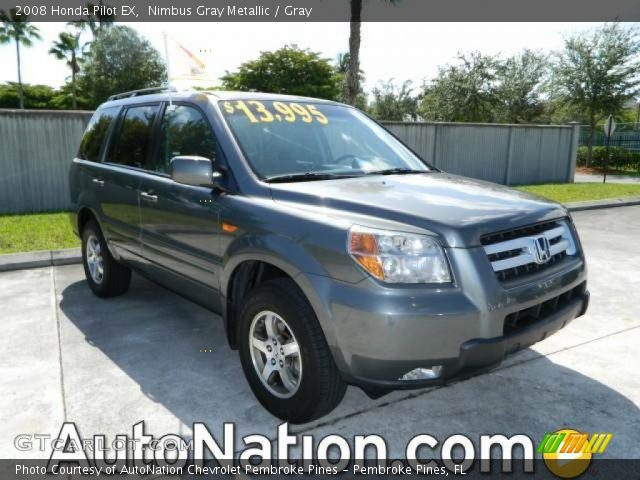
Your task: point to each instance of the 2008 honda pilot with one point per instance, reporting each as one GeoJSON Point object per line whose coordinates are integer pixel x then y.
{"type": "Point", "coordinates": [333, 253]}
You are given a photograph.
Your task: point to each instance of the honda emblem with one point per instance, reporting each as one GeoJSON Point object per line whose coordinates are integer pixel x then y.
{"type": "Point", "coordinates": [541, 249]}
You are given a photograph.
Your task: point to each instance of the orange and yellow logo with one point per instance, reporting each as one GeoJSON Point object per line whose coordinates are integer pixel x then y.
{"type": "Point", "coordinates": [567, 453]}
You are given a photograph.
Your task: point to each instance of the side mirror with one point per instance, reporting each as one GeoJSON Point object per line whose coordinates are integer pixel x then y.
{"type": "Point", "coordinates": [197, 171]}
{"type": "Point", "coordinates": [192, 170]}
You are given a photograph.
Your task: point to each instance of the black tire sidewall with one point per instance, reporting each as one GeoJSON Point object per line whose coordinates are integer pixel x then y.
{"type": "Point", "coordinates": [303, 403]}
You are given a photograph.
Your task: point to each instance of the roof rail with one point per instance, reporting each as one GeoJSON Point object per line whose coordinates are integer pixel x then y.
{"type": "Point", "coordinates": [142, 91]}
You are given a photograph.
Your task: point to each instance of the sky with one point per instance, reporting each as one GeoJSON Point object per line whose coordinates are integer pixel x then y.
{"type": "Point", "coordinates": [401, 51]}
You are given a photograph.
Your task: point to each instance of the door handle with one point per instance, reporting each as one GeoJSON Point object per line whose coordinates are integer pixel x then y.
{"type": "Point", "coordinates": [98, 182]}
{"type": "Point", "coordinates": [148, 197]}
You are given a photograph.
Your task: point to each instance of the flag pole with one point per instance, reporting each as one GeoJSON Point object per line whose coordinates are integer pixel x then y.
{"type": "Point", "coordinates": [166, 56]}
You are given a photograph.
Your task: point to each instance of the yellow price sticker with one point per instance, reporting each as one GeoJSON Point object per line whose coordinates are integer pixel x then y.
{"type": "Point", "coordinates": [258, 112]}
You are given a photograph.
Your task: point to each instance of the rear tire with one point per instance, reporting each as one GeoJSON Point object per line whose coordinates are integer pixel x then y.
{"type": "Point", "coordinates": [105, 276]}
{"type": "Point", "coordinates": [306, 385]}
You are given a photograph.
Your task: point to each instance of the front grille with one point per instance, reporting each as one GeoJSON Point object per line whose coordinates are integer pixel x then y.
{"type": "Point", "coordinates": [529, 316]}
{"type": "Point", "coordinates": [527, 250]}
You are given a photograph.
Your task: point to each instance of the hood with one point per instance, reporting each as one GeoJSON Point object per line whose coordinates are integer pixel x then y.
{"type": "Point", "coordinates": [459, 209]}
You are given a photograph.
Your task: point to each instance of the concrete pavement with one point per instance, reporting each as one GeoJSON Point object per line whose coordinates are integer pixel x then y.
{"type": "Point", "coordinates": [107, 364]}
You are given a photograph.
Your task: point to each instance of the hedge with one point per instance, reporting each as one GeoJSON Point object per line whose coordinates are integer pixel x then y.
{"type": "Point", "coordinates": [619, 158]}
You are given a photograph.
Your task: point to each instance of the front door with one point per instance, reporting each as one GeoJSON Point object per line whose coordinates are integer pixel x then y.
{"type": "Point", "coordinates": [179, 223]}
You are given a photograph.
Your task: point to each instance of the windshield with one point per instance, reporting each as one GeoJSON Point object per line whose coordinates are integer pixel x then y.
{"type": "Point", "coordinates": [287, 140]}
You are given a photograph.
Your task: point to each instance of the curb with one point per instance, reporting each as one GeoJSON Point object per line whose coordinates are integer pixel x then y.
{"type": "Point", "coordinates": [71, 256]}
{"type": "Point", "coordinates": [608, 203]}
{"type": "Point", "coordinates": [46, 258]}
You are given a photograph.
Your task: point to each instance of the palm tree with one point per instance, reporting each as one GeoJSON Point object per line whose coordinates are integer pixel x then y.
{"type": "Point", "coordinates": [353, 72]}
{"type": "Point", "coordinates": [17, 28]}
{"type": "Point", "coordinates": [95, 23]}
{"type": "Point", "coordinates": [67, 47]}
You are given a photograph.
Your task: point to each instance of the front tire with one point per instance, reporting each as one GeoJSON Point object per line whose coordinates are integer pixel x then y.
{"type": "Point", "coordinates": [105, 276]}
{"type": "Point", "coordinates": [285, 356]}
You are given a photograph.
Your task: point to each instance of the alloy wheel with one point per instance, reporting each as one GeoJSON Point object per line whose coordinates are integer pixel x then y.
{"type": "Point", "coordinates": [275, 354]}
{"type": "Point", "coordinates": [94, 259]}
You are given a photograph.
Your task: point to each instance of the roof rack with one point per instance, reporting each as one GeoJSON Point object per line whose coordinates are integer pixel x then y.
{"type": "Point", "coordinates": [142, 91]}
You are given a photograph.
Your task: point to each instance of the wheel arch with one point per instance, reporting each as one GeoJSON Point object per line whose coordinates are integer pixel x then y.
{"type": "Point", "coordinates": [244, 275]}
{"type": "Point", "coordinates": [83, 216]}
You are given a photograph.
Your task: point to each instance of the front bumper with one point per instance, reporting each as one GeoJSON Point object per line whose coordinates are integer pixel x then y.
{"type": "Point", "coordinates": [378, 333]}
{"type": "Point", "coordinates": [480, 354]}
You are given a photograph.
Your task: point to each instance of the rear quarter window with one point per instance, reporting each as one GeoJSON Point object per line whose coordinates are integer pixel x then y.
{"type": "Point", "coordinates": [95, 134]}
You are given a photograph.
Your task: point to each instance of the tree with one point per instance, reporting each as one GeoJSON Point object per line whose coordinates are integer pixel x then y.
{"type": "Point", "coordinates": [119, 60]}
{"type": "Point", "coordinates": [39, 97]}
{"type": "Point", "coordinates": [63, 98]}
{"type": "Point", "coordinates": [465, 92]}
{"type": "Point", "coordinates": [342, 66]}
{"type": "Point", "coordinates": [34, 96]}
{"type": "Point", "coordinates": [67, 48]}
{"type": "Point", "coordinates": [17, 28]}
{"type": "Point", "coordinates": [518, 87]}
{"type": "Point", "coordinates": [485, 88]}
{"type": "Point", "coordinates": [392, 102]}
{"type": "Point", "coordinates": [288, 70]}
{"type": "Point", "coordinates": [597, 72]}
{"type": "Point", "coordinates": [353, 81]}
{"type": "Point", "coordinates": [353, 73]}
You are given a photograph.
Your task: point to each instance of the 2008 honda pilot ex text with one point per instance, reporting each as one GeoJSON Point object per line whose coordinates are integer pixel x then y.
{"type": "Point", "coordinates": [334, 254]}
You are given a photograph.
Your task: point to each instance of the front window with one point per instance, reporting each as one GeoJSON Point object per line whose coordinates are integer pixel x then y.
{"type": "Point", "coordinates": [297, 140]}
{"type": "Point", "coordinates": [184, 131]}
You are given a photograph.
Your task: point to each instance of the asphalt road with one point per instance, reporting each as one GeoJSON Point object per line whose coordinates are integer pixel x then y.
{"type": "Point", "coordinates": [596, 178]}
{"type": "Point", "coordinates": [150, 355]}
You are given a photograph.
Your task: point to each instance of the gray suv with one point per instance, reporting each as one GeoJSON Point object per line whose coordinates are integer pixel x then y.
{"type": "Point", "coordinates": [334, 254]}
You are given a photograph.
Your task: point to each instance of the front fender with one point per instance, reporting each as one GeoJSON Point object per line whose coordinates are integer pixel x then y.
{"type": "Point", "coordinates": [277, 250]}
{"type": "Point", "coordinates": [285, 254]}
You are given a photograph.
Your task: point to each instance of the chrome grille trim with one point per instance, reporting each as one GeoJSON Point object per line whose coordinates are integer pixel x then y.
{"type": "Point", "coordinates": [521, 251]}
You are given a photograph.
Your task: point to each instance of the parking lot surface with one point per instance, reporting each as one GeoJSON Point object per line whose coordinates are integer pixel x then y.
{"type": "Point", "coordinates": [150, 355]}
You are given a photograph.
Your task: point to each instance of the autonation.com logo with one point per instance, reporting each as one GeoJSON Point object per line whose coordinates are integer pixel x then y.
{"type": "Point", "coordinates": [566, 453]}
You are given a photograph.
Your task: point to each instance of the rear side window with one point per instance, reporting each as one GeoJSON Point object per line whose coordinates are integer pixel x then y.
{"type": "Point", "coordinates": [132, 142]}
{"type": "Point", "coordinates": [95, 134]}
{"type": "Point", "coordinates": [184, 131]}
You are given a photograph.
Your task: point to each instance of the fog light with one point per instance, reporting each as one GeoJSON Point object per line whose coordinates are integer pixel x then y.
{"type": "Point", "coordinates": [423, 373]}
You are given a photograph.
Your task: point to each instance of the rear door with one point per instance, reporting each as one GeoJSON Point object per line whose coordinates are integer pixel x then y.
{"type": "Point", "coordinates": [120, 177]}
{"type": "Point", "coordinates": [180, 222]}
{"type": "Point", "coordinates": [87, 170]}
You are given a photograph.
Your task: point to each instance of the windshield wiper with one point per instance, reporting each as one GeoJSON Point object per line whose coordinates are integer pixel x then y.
{"type": "Point", "coordinates": [396, 171]}
{"type": "Point", "coordinates": [311, 176]}
{"type": "Point", "coordinates": [305, 177]}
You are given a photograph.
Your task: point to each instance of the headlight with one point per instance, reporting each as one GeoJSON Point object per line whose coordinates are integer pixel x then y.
{"type": "Point", "coordinates": [397, 257]}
